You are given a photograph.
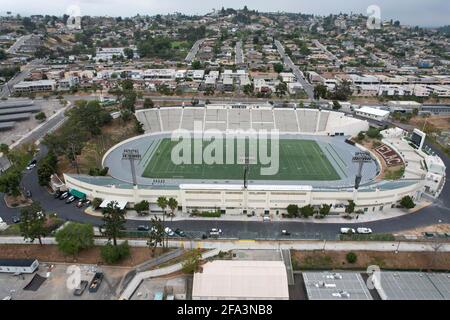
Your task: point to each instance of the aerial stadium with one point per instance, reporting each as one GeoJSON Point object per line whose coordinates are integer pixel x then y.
{"type": "Point", "coordinates": [316, 162]}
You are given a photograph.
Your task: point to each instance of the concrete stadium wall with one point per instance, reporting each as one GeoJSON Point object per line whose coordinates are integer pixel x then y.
{"type": "Point", "coordinates": [259, 201]}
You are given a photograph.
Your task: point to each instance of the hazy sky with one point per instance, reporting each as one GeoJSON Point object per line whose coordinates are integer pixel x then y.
{"type": "Point", "coordinates": [412, 12]}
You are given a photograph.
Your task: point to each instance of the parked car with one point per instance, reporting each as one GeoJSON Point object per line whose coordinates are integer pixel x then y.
{"type": "Point", "coordinates": [348, 231]}
{"type": "Point", "coordinates": [16, 219]}
{"type": "Point", "coordinates": [87, 203]}
{"type": "Point", "coordinates": [364, 230]}
{"type": "Point", "coordinates": [143, 228]}
{"type": "Point", "coordinates": [79, 291]}
{"type": "Point", "coordinates": [285, 233]}
{"type": "Point", "coordinates": [266, 219]}
{"type": "Point", "coordinates": [65, 195]}
{"type": "Point", "coordinates": [80, 204]}
{"type": "Point", "coordinates": [57, 194]}
{"type": "Point", "coordinates": [70, 199]}
{"type": "Point", "coordinates": [96, 281]}
{"type": "Point", "coordinates": [32, 165]}
{"type": "Point", "coordinates": [215, 232]}
{"type": "Point", "coordinates": [29, 194]}
{"type": "Point", "coordinates": [180, 233]}
{"type": "Point", "coordinates": [169, 232]}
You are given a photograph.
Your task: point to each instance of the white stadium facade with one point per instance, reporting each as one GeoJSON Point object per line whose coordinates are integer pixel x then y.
{"type": "Point", "coordinates": [424, 173]}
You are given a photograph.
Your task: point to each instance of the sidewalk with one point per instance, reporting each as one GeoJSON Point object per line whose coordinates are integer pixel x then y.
{"type": "Point", "coordinates": [357, 218]}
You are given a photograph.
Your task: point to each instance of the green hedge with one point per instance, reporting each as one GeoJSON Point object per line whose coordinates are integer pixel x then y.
{"type": "Point", "coordinates": [368, 237]}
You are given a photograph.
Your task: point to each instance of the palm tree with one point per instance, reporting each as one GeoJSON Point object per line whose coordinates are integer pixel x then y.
{"type": "Point", "coordinates": [173, 204]}
{"type": "Point", "coordinates": [162, 203]}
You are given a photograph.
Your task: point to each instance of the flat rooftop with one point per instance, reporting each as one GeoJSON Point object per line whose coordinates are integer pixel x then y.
{"type": "Point", "coordinates": [335, 286]}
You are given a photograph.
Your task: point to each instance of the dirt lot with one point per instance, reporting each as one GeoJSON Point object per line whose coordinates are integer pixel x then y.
{"type": "Point", "coordinates": [439, 122]}
{"type": "Point", "coordinates": [302, 260]}
{"type": "Point", "coordinates": [93, 152]}
{"type": "Point", "coordinates": [50, 253]}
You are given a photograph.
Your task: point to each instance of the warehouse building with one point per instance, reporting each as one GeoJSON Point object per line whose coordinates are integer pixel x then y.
{"type": "Point", "coordinates": [242, 280]}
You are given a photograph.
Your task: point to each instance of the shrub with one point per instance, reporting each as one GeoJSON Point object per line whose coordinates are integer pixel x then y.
{"type": "Point", "coordinates": [75, 237]}
{"type": "Point", "coordinates": [113, 254]}
{"type": "Point", "coordinates": [96, 203]}
{"type": "Point", "coordinates": [40, 116]}
{"type": "Point", "coordinates": [407, 202]}
{"type": "Point", "coordinates": [351, 257]}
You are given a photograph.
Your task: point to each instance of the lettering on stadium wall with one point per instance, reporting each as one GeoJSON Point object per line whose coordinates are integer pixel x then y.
{"type": "Point", "coordinates": [391, 157]}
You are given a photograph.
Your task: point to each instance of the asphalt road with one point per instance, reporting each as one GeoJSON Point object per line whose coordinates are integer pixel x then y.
{"type": "Point", "coordinates": [309, 89]}
{"type": "Point", "coordinates": [437, 213]}
{"type": "Point", "coordinates": [239, 53]}
{"type": "Point", "coordinates": [193, 52]}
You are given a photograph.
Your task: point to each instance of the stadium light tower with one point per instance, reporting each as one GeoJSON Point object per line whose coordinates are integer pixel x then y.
{"type": "Point", "coordinates": [246, 161]}
{"type": "Point", "coordinates": [360, 158]}
{"type": "Point", "coordinates": [132, 155]}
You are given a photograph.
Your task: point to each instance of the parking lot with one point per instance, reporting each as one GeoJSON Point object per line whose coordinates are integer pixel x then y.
{"type": "Point", "coordinates": [55, 285]}
{"type": "Point", "coordinates": [22, 128]}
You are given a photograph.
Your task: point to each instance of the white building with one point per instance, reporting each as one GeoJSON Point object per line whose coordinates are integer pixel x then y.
{"type": "Point", "coordinates": [241, 280]}
{"type": "Point", "coordinates": [35, 86]}
{"type": "Point", "coordinates": [287, 77]}
{"type": "Point", "coordinates": [372, 113]}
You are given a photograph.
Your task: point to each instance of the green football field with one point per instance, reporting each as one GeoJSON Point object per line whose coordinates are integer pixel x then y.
{"type": "Point", "coordinates": [300, 160]}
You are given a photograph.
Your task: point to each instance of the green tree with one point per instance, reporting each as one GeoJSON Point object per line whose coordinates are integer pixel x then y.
{"type": "Point", "coordinates": [40, 116]}
{"type": "Point", "coordinates": [163, 203]}
{"type": "Point", "coordinates": [148, 103]}
{"type": "Point", "coordinates": [293, 210]}
{"type": "Point", "coordinates": [325, 210]}
{"type": "Point", "coordinates": [351, 257]}
{"type": "Point", "coordinates": [32, 223]}
{"type": "Point", "coordinates": [336, 105]}
{"type": "Point", "coordinates": [75, 237]}
{"type": "Point", "coordinates": [46, 167]}
{"type": "Point", "coordinates": [281, 89]}
{"type": "Point", "coordinates": [156, 235]}
{"type": "Point", "coordinates": [129, 53]}
{"type": "Point", "coordinates": [10, 182]}
{"type": "Point", "coordinates": [142, 207]}
{"type": "Point", "coordinates": [407, 202]}
{"type": "Point", "coordinates": [113, 221]}
{"type": "Point", "coordinates": [278, 67]}
{"type": "Point", "coordinates": [350, 207]}
{"type": "Point", "coordinates": [307, 211]}
{"type": "Point", "coordinates": [126, 115]}
{"type": "Point", "coordinates": [172, 203]}
{"type": "Point", "coordinates": [112, 254]}
{"type": "Point", "coordinates": [320, 91]}
{"type": "Point", "coordinates": [192, 262]}
{"type": "Point", "coordinates": [374, 133]}
{"type": "Point", "coordinates": [96, 202]}
{"type": "Point", "coordinates": [196, 65]}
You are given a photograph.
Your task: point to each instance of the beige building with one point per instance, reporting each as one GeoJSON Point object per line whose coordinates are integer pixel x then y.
{"type": "Point", "coordinates": [241, 280]}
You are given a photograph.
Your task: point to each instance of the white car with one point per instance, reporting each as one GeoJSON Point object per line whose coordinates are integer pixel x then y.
{"type": "Point", "coordinates": [364, 230]}
{"type": "Point", "coordinates": [169, 232]}
{"type": "Point", "coordinates": [215, 232]}
{"type": "Point", "coordinates": [348, 231]}
{"type": "Point", "coordinates": [31, 166]}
